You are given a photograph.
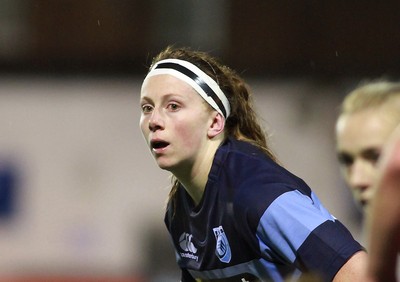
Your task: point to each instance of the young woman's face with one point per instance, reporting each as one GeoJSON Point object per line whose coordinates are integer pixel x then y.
{"type": "Point", "coordinates": [174, 122]}
{"type": "Point", "coordinates": [360, 138]}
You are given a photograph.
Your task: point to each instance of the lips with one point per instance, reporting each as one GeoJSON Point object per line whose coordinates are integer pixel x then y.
{"type": "Point", "coordinates": [158, 145]}
{"type": "Point", "coordinates": [363, 202]}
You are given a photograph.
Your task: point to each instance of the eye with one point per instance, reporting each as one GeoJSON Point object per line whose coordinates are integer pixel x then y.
{"type": "Point", "coordinates": [173, 107]}
{"type": "Point", "coordinates": [345, 159]}
{"type": "Point", "coordinates": [147, 108]}
{"type": "Point", "coordinates": [372, 155]}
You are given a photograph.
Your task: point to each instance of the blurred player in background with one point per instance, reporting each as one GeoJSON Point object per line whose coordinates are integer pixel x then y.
{"type": "Point", "coordinates": [367, 118]}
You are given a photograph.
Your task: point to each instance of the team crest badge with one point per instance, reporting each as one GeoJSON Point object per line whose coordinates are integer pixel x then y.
{"type": "Point", "coordinates": [222, 249]}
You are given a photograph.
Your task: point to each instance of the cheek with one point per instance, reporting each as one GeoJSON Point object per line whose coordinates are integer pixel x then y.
{"type": "Point", "coordinates": [346, 174]}
{"type": "Point", "coordinates": [191, 134]}
{"type": "Point", "coordinates": [187, 135]}
{"type": "Point", "coordinates": [374, 174]}
{"type": "Point", "coordinates": [143, 124]}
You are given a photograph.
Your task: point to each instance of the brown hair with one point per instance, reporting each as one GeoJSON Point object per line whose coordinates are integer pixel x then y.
{"type": "Point", "coordinates": [242, 123]}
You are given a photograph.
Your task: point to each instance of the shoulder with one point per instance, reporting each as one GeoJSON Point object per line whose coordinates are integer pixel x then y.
{"type": "Point", "coordinates": [252, 180]}
{"type": "Point", "coordinates": [253, 174]}
{"type": "Point", "coordinates": [244, 160]}
{"type": "Point", "coordinates": [241, 149]}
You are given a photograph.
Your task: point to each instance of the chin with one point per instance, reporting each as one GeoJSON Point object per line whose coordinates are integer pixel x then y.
{"type": "Point", "coordinates": [366, 208]}
{"type": "Point", "coordinates": [164, 165]}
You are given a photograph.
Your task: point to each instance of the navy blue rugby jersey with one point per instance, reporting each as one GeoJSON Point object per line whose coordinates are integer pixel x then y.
{"type": "Point", "coordinates": [255, 222]}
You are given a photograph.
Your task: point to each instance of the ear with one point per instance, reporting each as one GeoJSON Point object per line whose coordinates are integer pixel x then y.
{"type": "Point", "coordinates": [217, 125]}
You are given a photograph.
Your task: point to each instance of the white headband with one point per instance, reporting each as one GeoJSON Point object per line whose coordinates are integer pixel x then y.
{"type": "Point", "coordinates": [208, 89]}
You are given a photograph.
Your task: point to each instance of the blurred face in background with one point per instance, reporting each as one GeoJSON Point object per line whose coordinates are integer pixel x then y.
{"type": "Point", "coordinates": [360, 137]}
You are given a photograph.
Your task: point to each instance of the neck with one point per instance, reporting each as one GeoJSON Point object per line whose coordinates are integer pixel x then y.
{"type": "Point", "coordinates": [195, 179]}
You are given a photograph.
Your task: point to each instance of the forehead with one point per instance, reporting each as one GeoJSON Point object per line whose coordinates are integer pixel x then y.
{"type": "Point", "coordinates": [363, 130]}
{"type": "Point", "coordinates": [164, 84]}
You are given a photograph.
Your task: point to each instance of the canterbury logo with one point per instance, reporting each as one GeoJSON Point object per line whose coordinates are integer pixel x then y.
{"type": "Point", "coordinates": [186, 244]}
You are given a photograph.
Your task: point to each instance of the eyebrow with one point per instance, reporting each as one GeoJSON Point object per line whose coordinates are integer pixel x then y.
{"type": "Point", "coordinates": [145, 99]}
{"type": "Point", "coordinates": [164, 97]}
{"type": "Point", "coordinates": [371, 153]}
{"type": "Point", "coordinates": [344, 157]}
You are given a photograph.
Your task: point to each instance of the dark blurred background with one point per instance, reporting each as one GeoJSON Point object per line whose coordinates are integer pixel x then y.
{"type": "Point", "coordinates": [297, 38]}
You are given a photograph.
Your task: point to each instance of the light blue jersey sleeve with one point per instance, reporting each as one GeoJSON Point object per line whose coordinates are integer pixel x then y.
{"type": "Point", "coordinates": [287, 223]}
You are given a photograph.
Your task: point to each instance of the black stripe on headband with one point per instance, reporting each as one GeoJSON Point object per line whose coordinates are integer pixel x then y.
{"type": "Point", "coordinates": [196, 79]}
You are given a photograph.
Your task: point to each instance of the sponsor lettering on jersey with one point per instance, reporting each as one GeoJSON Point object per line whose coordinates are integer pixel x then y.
{"type": "Point", "coordinates": [186, 244]}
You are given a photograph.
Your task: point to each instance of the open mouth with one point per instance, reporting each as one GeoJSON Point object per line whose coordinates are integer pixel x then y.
{"type": "Point", "coordinates": [156, 145]}
{"type": "Point", "coordinates": [364, 202]}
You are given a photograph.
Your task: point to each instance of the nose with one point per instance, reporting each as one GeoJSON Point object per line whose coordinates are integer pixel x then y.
{"type": "Point", "coordinates": [360, 177]}
{"type": "Point", "coordinates": [156, 121]}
